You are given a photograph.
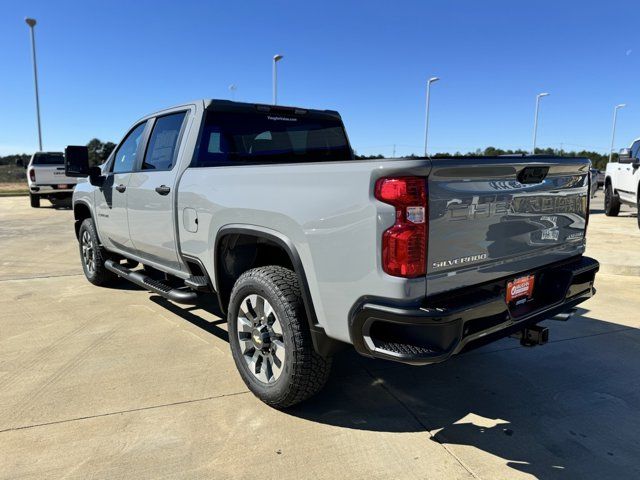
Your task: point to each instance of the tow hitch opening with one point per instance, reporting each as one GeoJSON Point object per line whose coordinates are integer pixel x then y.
{"type": "Point", "coordinates": [532, 336]}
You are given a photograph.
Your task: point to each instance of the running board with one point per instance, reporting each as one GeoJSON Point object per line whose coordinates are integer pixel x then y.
{"type": "Point", "coordinates": [187, 297]}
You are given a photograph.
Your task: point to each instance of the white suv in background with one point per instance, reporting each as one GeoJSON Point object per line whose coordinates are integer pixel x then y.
{"type": "Point", "coordinates": [46, 178]}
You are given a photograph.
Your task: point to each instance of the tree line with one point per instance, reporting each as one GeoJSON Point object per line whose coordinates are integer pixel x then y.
{"type": "Point", "coordinates": [598, 160]}
{"type": "Point", "coordinates": [99, 151]}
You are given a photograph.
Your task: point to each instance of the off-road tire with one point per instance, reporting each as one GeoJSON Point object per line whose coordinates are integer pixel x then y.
{"type": "Point", "coordinates": [305, 372]}
{"type": "Point", "coordinates": [99, 275]}
{"type": "Point", "coordinates": [611, 202]}
{"type": "Point", "coordinates": [34, 200]}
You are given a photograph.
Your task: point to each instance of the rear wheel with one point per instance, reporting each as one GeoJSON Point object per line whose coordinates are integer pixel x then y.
{"type": "Point", "coordinates": [93, 255]}
{"type": "Point", "coordinates": [611, 202]}
{"type": "Point", "coordinates": [35, 200]}
{"type": "Point", "coordinates": [270, 338]}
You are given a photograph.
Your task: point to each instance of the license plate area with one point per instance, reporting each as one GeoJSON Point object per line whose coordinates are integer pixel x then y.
{"type": "Point", "coordinates": [63, 186]}
{"type": "Point", "coordinates": [520, 290]}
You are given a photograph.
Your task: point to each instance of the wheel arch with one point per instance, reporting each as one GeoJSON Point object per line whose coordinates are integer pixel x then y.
{"type": "Point", "coordinates": [81, 211]}
{"type": "Point", "coordinates": [259, 246]}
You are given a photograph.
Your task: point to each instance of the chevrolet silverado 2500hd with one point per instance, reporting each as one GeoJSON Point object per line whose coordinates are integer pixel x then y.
{"type": "Point", "coordinates": [308, 248]}
{"type": "Point", "coordinates": [622, 181]}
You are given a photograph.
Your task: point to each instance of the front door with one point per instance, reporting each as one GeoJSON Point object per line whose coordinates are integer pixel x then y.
{"type": "Point", "coordinates": [111, 198]}
{"type": "Point", "coordinates": [626, 179]}
{"type": "Point", "coordinates": [151, 193]}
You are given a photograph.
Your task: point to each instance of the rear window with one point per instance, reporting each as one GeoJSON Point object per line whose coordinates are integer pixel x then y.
{"type": "Point", "coordinates": [236, 138]}
{"type": "Point", "coordinates": [48, 159]}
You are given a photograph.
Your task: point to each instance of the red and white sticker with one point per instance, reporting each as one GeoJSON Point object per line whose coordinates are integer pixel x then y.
{"type": "Point", "coordinates": [520, 287]}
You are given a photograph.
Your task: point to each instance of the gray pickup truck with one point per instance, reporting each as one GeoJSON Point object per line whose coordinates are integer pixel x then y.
{"type": "Point", "coordinates": [308, 248]}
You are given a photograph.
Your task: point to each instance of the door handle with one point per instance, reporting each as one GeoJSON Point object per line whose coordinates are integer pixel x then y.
{"type": "Point", "coordinates": [121, 188]}
{"type": "Point", "coordinates": [163, 190]}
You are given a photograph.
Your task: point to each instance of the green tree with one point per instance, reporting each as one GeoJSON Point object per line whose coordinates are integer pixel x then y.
{"type": "Point", "coordinates": [99, 151]}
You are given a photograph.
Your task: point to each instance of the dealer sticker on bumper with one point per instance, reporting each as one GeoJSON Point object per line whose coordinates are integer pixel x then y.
{"type": "Point", "coordinates": [520, 288]}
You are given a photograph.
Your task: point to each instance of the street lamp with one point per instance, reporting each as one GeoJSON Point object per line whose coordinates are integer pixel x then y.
{"type": "Point", "coordinates": [276, 59]}
{"type": "Point", "coordinates": [613, 133]}
{"type": "Point", "coordinates": [32, 23]}
{"type": "Point", "coordinates": [426, 121]}
{"type": "Point", "coordinates": [232, 88]}
{"type": "Point", "coordinates": [535, 121]}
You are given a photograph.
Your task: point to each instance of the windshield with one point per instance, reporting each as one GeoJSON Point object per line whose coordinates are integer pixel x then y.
{"type": "Point", "coordinates": [48, 159]}
{"type": "Point", "coordinates": [231, 138]}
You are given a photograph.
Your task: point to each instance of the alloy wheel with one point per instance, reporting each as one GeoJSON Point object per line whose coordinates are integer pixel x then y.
{"type": "Point", "coordinates": [88, 252]}
{"type": "Point", "coordinates": [260, 337]}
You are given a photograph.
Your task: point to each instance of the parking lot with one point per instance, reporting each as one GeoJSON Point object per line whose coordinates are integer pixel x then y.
{"type": "Point", "coordinates": [114, 383]}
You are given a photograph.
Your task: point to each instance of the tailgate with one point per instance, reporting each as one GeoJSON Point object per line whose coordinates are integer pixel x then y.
{"type": "Point", "coordinates": [494, 217]}
{"type": "Point", "coordinates": [52, 175]}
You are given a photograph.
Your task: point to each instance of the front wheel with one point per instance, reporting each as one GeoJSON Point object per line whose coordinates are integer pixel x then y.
{"type": "Point", "coordinates": [93, 255]}
{"type": "Point", "coordinates": [611, 202]}
{"type": "Point", "coordinates": [270, 338]}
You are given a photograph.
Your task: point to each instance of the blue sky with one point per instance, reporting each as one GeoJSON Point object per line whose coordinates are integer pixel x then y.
{"type": "Point", "coordinates": [104, 64]}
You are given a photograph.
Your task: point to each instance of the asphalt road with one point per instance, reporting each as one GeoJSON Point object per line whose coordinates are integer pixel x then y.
{"type": "Point", "coordinates": [118, 383]}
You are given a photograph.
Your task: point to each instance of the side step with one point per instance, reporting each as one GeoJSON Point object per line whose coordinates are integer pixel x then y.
{"type": "Point", "coordinates": [187, 297]}
{"type": "Point", "coordinates": [198, 282]}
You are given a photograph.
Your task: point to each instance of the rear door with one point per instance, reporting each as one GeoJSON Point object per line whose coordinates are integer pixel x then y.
{"type": "Point", "coordinates": [151, 192]}
{"type": "Point", "coordinates": [494, 217]}
{"type": "Point", "coordinates": [111, 198]}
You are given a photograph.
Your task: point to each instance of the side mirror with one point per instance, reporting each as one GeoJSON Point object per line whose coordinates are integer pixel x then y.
{"type": "Point", "coordinates": [625, 155]}
{"type": "Point", "coordinates": [76, 161]}
{"type": "Point", "coordinates": [95, 177]}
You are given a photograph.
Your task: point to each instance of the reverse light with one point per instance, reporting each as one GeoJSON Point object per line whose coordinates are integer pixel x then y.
{"type": "Point", "coordinates": [32, 175]}
{"type": "Point", "coordinates": [404, 245]}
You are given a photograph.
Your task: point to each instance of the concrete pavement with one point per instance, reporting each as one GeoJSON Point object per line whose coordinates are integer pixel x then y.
{"type": "Point", "coordinates": [118, 383]}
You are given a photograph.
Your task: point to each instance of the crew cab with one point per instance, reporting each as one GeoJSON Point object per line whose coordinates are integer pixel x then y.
{"type": "Point", "coordinates": [47, 178]}
{"type": "Point", "coordinates": [622, 181]}
{"type": "Point", "coordinates": [308, 249]}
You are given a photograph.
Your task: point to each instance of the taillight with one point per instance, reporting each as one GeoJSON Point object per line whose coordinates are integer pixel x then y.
{"type": "Point", "coordinates": [404, 245]}
{"type": "Point", "coordinates": [32, 175]}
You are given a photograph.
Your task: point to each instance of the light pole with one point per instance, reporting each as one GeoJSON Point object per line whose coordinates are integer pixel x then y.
{"type": "Point", "coordinates": [32, 23]}
{"type": "Point", "coordinates": [535, 120]}
{"type": "Point", "coordinates": [426, 121]}
{"type": "Point", "coordinates": [232, 88]}
{"type": "Point", "coordinates": [613, 133]}
{"type": "Point", "coordinates": [276, 59]}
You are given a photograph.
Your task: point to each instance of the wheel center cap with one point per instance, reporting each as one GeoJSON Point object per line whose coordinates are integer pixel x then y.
{"type": "Point", "coordinates": [260, 338]}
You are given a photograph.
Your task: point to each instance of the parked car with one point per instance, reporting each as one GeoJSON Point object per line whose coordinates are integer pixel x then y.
{"type": "Point", "coordinates": [600, 178]}
{"type": "Point", "coordinates": [308, 249]}
{"type": "Point", "coordinates": [47, 179]}
{"type": "Point", "coordinates": [622, 180]}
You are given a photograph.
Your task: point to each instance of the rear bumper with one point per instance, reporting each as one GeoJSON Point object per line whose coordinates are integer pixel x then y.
{"type": "Point", "coordinates": [467, 318]}
{"type": "Point", "coordinates": [51, 190]}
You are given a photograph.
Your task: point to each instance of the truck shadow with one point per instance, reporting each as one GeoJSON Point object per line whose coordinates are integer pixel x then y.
{"type": "Point", "coordinates": [186, 313]}
{"type": "Point", "coordinates": [569, 409]}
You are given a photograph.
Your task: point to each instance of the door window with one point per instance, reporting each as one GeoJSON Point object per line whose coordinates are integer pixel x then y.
{"type": "Point", "coordinates": [125, 157]}
{"type": "Point", "coordinates": [635, 148]}
{"type": "Point", "coordinates": [163, 143]}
